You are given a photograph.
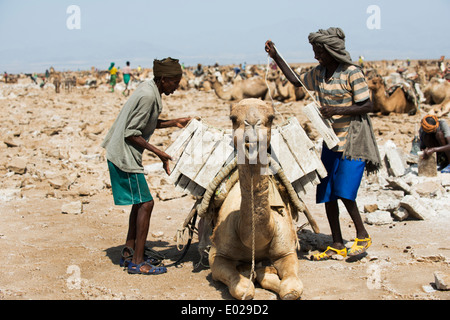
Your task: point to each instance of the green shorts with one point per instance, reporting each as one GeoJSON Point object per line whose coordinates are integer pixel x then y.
{"type": "Point", "coordinates": [126, 78]}
{"type": "Point", "coordinates": [128, 188]}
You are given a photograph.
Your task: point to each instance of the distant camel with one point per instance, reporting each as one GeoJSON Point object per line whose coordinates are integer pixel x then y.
{"type": "Point", "coordinates": [287, 92]}
{"type": "Point", "coordinates": [397, 102]}
{"type": "Point", "coordinates": [254, 87]}
{"type": "Point", "coordinates": [437, 93]}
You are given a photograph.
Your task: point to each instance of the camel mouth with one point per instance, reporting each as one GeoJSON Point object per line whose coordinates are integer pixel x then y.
{"type": "Point", "coordinates": [251, 143]}
{"type": "Point", "coordinates": [251, 146]}
{"type": "Point", "coordinates": [251, 151]}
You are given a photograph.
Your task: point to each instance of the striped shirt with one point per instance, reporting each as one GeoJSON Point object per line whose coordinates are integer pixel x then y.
{"type": "Point", "coordinates": [346, 87]}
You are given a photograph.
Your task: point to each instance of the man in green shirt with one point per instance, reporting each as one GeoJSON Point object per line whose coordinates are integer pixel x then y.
{"type": "Point", "coordinates": [125, 143]}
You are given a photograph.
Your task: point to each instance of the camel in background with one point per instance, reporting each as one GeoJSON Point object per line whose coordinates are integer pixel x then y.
{"type": "Point", "coordinates": [437, 93]}
{"type": "Point", "coordinates": [254, 87]}
{"type": "Point", "coordinates": [396, 102]}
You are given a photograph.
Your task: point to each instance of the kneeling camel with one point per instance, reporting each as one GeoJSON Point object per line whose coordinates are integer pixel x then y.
{"type": "Point", "coordinates": [247, 228]}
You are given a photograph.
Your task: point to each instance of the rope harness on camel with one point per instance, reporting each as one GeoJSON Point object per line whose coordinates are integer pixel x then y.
{"type": "Point", "coordinates": [202, 206]}
{"type": "Point", "coordinates": [252, 271]}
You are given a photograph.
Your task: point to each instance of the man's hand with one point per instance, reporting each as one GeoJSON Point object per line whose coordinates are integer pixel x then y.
{"type": "Point", "coordinates": [427, 153]}
{"type": "Point", "coordinates": [327, 112]}
{"type": "Point", "coordinates": [270, 48]}
{"type": "Point", "coordinates": [166, 167]}
{"type": "Point", "coordinates": [359, 108]}
{"type": "Point", "coordinates": [182, 122]}
{"type": "Point", "coordinates": [165, 158]}
{"type": "Point", "coordinates": [141, 142]}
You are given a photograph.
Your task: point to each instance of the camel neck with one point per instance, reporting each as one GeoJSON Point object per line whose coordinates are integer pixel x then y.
{"type": "Point", "coordinates": [255, 207]}
{"type": "Point", "coordinates": [380, 95]}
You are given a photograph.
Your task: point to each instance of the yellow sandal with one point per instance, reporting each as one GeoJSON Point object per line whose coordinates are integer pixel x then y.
{"type": "Point", "coordinates": [325, 256]}
{"type": "Point", "coordinates": [357, 248]}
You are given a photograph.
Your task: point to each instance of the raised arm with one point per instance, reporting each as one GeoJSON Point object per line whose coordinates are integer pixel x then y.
{"type": "Point", "coordinates": [287, 71]}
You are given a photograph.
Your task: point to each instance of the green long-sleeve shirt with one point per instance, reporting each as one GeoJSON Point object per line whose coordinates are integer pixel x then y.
{"type": "Point", "coordinates": [138, 117]}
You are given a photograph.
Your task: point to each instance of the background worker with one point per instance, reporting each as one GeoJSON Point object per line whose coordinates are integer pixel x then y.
{"type": "Point", "coordinates": [434, 135]}
{"type": "Point", "coordinates": [112, 76]}
{"type": "Point", "coordinates": [127, 75]}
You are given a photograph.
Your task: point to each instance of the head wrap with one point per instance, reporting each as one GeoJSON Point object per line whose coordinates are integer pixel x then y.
{"type": "Point", "coordinates": [333, 40]}
{"type": "Point", "coordinates": [427, 126]}
{"type": "Point", "coordinates": [112, 65]}
{"type": "Point", "coordinates": [167, 68]}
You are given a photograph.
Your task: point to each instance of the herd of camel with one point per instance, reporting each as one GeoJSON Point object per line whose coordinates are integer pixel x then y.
{"type": "Point", "coordinates": [395, 87]}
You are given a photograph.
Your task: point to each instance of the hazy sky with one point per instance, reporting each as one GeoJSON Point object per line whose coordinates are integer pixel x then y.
{"type": "Point", "coordinates": [34, 34]}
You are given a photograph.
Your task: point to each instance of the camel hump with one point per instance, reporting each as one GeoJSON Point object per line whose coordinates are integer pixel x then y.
{"type": "Point", "coordinates": [408, 91]}
{"type": "Point", "coordinates": [252, 101]}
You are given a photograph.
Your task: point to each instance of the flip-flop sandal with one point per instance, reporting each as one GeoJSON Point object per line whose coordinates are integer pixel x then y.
{"type": "Point", "coordinates": [325, 256]}
{"type": "Point", "coordinates": [136, 269]}
{"type": "Point", "coordinates": [357, 248]}
{"type": "Point", "coordinates": [125, 260]}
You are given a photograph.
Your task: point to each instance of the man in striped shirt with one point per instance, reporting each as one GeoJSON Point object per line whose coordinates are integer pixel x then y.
{"type": "Point", "coordinates": [342, 91]}
{"type": "Point", "coordinates": [343, 88]}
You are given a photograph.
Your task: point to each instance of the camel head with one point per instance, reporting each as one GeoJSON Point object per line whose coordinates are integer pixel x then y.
{"type": "Point", "coordinates": [252, 121]}
{"type": "Point", "coordinates": [210, 77]}
{"type": "Point", "coordinates": [273, 75]}
{"type": "Point", "coordinates": [375, 83]}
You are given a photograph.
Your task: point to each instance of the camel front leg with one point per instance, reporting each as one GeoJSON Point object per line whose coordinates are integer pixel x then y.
{"type": "Point", "coordinates": [224, 270]}
{"type": "Point", "coordinates": [268, 278]}
{"type": "Point", "coordinates": [291, 287]}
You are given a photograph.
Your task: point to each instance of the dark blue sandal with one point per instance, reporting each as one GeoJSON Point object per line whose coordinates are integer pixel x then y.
{"type": "Point", "coordinates": [136, 269]}
{"type": "Point", "coordinates": [124, 260]}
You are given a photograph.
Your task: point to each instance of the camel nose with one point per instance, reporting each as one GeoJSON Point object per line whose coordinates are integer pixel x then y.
{"type": "Point", "coordinates": [251, 130]}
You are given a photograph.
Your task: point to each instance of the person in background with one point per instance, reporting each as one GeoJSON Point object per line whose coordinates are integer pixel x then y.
{"type": "Point", "coordinates": [113, 76]}
{"type": "Point", "coordinates": [434, 135]}
{"type": "Point", "coordinates": [127, 75]}
{"type": "Point", "coordinates": [199, 71]}
{"type": "Point", "coordinates": [361, 62]}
